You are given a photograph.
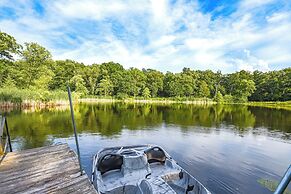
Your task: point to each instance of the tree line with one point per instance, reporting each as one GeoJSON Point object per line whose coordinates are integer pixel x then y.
{"type": "Point", "coordinates": [31, 67]}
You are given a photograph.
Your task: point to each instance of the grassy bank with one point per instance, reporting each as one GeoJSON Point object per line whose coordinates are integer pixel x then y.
{"type": "Point", "coordinates": [199, 101]}
{"type": "Point", "coordinates": [10, 97]}
{"type": "Point", "coordinates": [278, 105]}
{"type": "Point", "coordinates": [103, 99]}
{"type": "Point", "coordinates": [25, 98]}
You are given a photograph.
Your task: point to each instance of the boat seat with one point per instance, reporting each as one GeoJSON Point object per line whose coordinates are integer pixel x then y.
{"type": "Point", "coordinates": [155, 154]}
{"type": "Point", "coordinates": [109, 162]}
{"type": "Point", "coordinates": [126, 189]}
{"type": "Point", "coordinates": [145, 187]}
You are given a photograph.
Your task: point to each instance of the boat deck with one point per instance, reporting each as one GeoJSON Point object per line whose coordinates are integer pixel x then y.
{"type": "Point", "coordinates": [51, 169]}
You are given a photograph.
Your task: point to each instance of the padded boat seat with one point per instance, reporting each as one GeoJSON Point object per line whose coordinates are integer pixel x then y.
{"type": "Point", "coordinates": [155, 154]}
{"type": "Point", "coordinates": [109, 162]}
{"type": "Point", "coordinates": [145, 187]}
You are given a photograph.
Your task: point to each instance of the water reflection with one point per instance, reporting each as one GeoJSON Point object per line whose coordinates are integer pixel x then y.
{"type": "Point", "coordinates": [228, 148]}
{"type": "Point", "coordinates": [36, 128]}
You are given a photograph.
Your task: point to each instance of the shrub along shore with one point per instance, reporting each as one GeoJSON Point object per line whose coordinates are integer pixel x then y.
{"type": "Point", "coordinates": [16, 98]}
{"type": "Point", "coordinates": [42, 99]}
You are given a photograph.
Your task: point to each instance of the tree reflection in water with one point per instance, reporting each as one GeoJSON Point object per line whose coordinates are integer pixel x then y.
{"type": "Point", "coordinates": [38, 128]}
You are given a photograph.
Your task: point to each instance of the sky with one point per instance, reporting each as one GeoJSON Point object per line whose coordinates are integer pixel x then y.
{"type": "Point", "coordinates": [167, 35]}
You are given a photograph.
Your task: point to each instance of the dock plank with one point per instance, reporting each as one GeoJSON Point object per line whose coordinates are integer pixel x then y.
{"type": "Point", "coordinates": [50, 169]}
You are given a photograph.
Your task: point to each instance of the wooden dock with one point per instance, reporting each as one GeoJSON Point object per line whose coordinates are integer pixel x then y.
{"type": "Point", "coordinates": [51, 169]}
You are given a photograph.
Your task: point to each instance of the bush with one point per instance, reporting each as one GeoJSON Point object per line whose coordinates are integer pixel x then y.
{"type": "Point", "coordinates": [218, 98]}
{"type": "Point", "coordinates": [240, 99]}
{"type": "Point", "coordinates": [18, 96]}
{"type": "Point", "coordinates": [228, 99]}
{"type": "Point", "coordinates": [121, 96]}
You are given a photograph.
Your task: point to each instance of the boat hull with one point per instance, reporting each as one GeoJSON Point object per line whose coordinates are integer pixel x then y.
{"type": "Point", "coordinates": [141, 169]}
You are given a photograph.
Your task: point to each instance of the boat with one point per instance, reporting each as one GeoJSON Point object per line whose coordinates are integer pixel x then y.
{"type": "Point", "coordinates": [141, 169]}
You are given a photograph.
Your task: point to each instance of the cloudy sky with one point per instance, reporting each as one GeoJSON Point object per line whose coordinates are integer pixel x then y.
{"type": "Point", "coordinates": [226, 35]}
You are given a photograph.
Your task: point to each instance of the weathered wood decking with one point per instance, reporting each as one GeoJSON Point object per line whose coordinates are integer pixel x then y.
{"type": "Point", "coordinates": [51, 169]}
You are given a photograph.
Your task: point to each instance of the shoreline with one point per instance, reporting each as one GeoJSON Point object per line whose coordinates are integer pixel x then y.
{"type": "Point", "coordinates": [27, 104]}
{"type": "Point", "coordinates": [275, 105]}
{"type": "Point", "coordinates": [147, 101]}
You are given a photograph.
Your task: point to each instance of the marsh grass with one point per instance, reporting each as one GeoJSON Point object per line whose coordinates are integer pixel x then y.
{"type": "Point", "coordinates": [271, 185]}
{"type": "Point", "coordinates": [277, 105]}
{"type": "Point", "coordinates": [10, 97]}
{"type": "Point", "coordinates": [32, 97]}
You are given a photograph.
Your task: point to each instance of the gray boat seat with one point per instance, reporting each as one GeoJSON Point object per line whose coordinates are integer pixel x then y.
{"type": "Point", "coordinates": [126, 189]}
{"type": "Point", "coordinates": [145, 187]}
{"type": "Point", "coordinates": [109, 162]}
{"type": "Point", "coordinates": [155, 154]}
{"type": "Point", "coordinates": [135, 166]}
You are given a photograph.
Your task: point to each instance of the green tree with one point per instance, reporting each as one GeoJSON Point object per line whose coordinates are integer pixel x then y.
{"type": "Point", "coordinates": [154, 81]}
{"type": "Point", "coordinates": [211, 79]}
{"type": "Point", "coordinates": [37, 70]}
{"type": "Point", "coordinates": [240, 85]}
{"type": "Point", "coordinates": [218, 98]}
{"type": "Point", "coordinates": [137, 81]}
{"type": "Point", "coordinates": [36, 62]}
{"type": "Point", "coordinates": [146, 93]}
{"type": "Point", "coordinates": [186, 84]}
{"type": "Point", "coordinates": [64, 71]}
{"type": "Point", "coordinates": [244, 88]}
{"type": "Point", "coordinates": [217, 84]}
{"type": "Point", "coordinates": [4, 70]}
{"type": "Point", "coordinates": [111, 68]}
{"type": "Point", "coordinates": [203, 90]}
{"type": "Point", "coordinates": [172, 87]}
{"type": "Point", "coordinates": [43, 81]}
{"type": "Point", "coordinates": [121, 83]}
{"type": "Point", "coordinates": [91, 75]}
{"type": "Point", "coordinates": [285, 85]}
{"type": "Point", "coordinates": [118, 76]}
{"type": "Point", "coordinates": [105, 86]}
{"type": "Point", "coordinates": [8, 46]}
{"type": "Point", "coordinates": [272, 86]}
{"type": "Point", "coordinates": [77, 84]}
{"type": "Point", "coordinates": [9, 83]}
{"type": "Point", "coordinates": [228, 98]}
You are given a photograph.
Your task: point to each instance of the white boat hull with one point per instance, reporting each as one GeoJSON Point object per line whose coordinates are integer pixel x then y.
{"type": "Point", "coordinates": [142, 169]}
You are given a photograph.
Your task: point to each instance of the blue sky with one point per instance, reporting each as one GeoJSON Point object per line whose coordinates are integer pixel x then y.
{"type": "Point", "coordinates": [226, 35]}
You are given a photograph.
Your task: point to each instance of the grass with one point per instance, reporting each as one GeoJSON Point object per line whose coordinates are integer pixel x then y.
{"type": "Point", "coordinates": [277, 105]}
{"type": "Point", "coordinates": [148, 100]}
{"type": "Point", "coordinates": [15, 97]}
{"type": "Point", "coordinates": [271, 185]}
{"type": "Point", "coordinates": [18, 97]}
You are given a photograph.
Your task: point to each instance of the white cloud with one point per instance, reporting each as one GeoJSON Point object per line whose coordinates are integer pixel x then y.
{"type": "Point", "coordinates": [162, 41]}
{"type": "Point", "coordinates": [278, 17]}
{"type": "Point", "coordinates": [251, 63]}
{"type": "Point", "coordinates": [250, 4]}
{"type": "Point", "coordinates": [88, 9]}
{"type": "Point", "coordinates": [157, 34]}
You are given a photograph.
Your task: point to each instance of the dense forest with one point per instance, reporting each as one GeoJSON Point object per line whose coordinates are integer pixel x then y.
{"type": "Point", "coordinates": [29, 72]}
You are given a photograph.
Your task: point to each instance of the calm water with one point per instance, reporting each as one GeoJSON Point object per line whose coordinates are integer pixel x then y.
{"type": "Point", "coordinates": [228, 148]}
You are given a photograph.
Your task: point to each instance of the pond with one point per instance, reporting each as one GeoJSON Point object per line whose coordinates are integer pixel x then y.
{"type": "Point", "coordinates": [229, 148]}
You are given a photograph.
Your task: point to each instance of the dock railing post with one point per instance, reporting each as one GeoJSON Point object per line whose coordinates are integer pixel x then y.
{"type": "Point", "coordinates": [284, 182]}
{"type": "Point", "coordinates": [75, 129]}
{"type": "Point", "coordinates": [8, 134]}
